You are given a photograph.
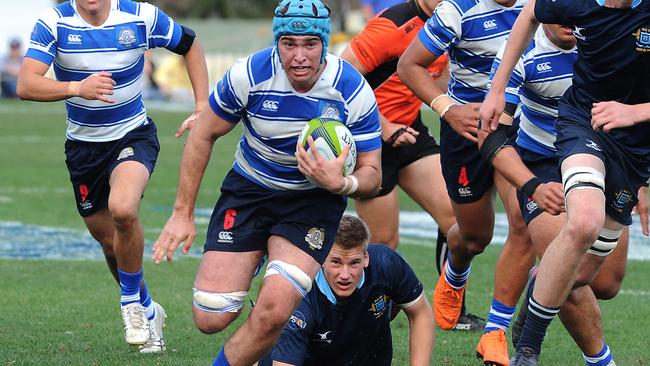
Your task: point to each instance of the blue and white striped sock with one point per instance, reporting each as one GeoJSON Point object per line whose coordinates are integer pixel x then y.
{"type": "Point", "coordinates": [500, 317]}
{"type": "Point", "coordinates": [457, 277]}
{"type": "Point", "coordinates": [146, 301]}
{"type": "Point", "coordinates": [130, 286]}
{"type": "Point", "coordinates": [603, 358]}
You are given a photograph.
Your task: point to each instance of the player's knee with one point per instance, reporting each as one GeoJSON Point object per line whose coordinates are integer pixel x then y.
{"type": "Point", "coordinates": [123, 214]}
{"type": "Point", "coordinates": [606, 291]}
{"type": "Point", "coordinates": [583, 229]}
{"type": "Point", "coordinates": [213, 312]}
{"type": "Point", "coordinates": [475, 244]}
{"type": "Point", "coordinates": [270, 316]}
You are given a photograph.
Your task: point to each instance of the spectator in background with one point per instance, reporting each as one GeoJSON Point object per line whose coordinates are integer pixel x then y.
{"type": "Point", "coordinates": [371, 8]}
{"type": "Point", "coordinates": [150, 88]}
{"type": "Point", "coordinates": [10, 67]}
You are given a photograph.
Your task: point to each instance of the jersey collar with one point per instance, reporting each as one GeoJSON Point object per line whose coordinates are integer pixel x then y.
{"type": "Point", "coordinates": [325, 288]}
{"type": "Point", "coordinates": [635, 3]}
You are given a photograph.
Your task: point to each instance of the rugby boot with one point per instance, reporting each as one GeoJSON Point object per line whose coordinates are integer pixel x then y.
{"type": "Point", "coordinates": [526, 356]}
{"type": "Point", "coordinates": [136, 324]}
{"type": "Point", "coordinates": [493, 348]}
{"type": "Point", "coordinates": [520, 319]}
{"type": "Point", "coordinates": [447, 303]}
{"type": "Point", "coordinates": [156, 343]}
{"type": "Point", "coordinates": [470, 322]}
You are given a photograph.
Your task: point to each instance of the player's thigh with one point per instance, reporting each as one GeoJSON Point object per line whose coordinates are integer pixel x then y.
{"type": "Point", "coordinates": [476, 219]}
{"type": "Point", "coordinates": [223, 272]}
{"type": "Point", "coordinates": [608, 281]}
{"type": "Point", "coordinates": [100, 225]}
{"type": "Point", "coordinates": [422, 180]}
{"type": "Point", "coordinates": [381, 214]}
{"type": "Point", "coordinates": [128, 182]}
{"type": "Point", "coordinates": [543, 229]}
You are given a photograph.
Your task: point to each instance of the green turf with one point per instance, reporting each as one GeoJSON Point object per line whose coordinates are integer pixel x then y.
{"type": "Point", "coordinates": [66, 312]}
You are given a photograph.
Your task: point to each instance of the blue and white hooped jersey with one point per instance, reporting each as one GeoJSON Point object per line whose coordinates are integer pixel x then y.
{"type": "Point", "coordinates": [471, 32]}
{"type": "Point", "coordinates": [77, 49]}
{"type": "Point", "coordinates": [256, 90]}
{"type": "Point", "coordinates": [540, 78]}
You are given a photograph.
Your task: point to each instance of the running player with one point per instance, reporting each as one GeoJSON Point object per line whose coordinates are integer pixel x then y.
{"type": "Point", "coordinates": [410, 155]}
{"type": "Point", "coordinates": [601, 141]}
{"type": "Point", "coordinates": [267, 204]}
{"type": "Point", "coordinates": [345, 318]}
{"type": "Point", "coordinates": [471, 33]}
{"type": "Point", "coordinates": [541, 77]}
{"type": "Point", "coordinates": [97, 50]}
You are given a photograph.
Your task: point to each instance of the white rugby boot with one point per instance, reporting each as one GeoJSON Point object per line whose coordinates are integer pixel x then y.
{"type": "Point", "coordinates": [136, 324]}
{"type": "Point", "coordinates": [156, 343]}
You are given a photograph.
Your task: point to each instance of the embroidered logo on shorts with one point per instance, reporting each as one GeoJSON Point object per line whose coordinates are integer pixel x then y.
{"type": "Point", "coordinates": [125, 153]}
{"type": "Point", "coordinates": [622, 198]}
{"type": "Point", "coordinates": [531, 206]}
{"type": "Point", "coordinates": [225, 237]}
{"type": "Point", "coordinates": [315, 237]}
{"type": "Point", "coordinates": [83, 196]}
{"type": "Point", "coordinates": [592, 145]}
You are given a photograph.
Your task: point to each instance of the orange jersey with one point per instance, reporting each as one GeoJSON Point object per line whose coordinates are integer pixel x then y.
{"type": "Point", "coordinates": [378, 48]}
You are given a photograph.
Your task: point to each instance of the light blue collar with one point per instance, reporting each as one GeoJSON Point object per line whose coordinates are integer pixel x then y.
{"type": "Point", "coordinates": [325, 288]}
{"type": "Point", "coordinates": [635, 3]}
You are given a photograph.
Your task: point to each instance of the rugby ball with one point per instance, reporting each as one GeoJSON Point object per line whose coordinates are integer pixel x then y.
{"type": "Point", "coordinates": [330, 137]}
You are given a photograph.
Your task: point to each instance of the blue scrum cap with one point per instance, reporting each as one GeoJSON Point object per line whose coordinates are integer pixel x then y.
{"type": "Point", "coordinates": [302, 17]}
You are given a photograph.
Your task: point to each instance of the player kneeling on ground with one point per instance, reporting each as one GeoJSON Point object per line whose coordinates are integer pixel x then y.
{"type": "Point", "coordinates": [345, 318]}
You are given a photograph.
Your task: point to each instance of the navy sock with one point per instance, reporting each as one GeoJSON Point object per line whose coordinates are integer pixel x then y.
{"type": "Point", "coordinates": [538, 319]}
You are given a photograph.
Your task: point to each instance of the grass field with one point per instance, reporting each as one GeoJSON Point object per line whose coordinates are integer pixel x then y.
{"type": "Point", "coordinates": [66, 312]}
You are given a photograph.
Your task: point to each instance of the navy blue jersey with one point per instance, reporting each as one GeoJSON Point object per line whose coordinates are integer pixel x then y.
{"type": "Point", "coordinates": [613, 58]}
{"type": "Point", "coordinates": [324, 330]}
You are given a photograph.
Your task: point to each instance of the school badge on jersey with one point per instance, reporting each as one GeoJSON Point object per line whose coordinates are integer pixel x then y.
{"type": "Point", "coordinates": [126, 36]}
{"type": "Point", "coordinates": [642, 36]}
{"type": "Point", "coordinates": [331, 110]}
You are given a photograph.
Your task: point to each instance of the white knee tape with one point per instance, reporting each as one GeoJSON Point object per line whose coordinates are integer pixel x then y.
{"type": "Point", "coordinates": [299, 279]}
{"type": "Point", "coordinates": [582, 178]}
{"type": "Point", "coordinates": [606, 242]}
{"type": "Point", "coordinates": [229, 302]}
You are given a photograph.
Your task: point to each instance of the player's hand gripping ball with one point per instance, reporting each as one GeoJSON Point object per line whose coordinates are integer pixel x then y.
{"type": "Point", "coordinates": [330, 137]}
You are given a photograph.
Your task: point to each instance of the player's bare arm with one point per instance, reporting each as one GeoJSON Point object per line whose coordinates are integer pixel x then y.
{"type": "Point", "coordinates": [34, 85]}
{"type": "Point", "coordinates": [412, 70]}
{"type": "Point", "coordinates": [197, 71]}
{"type": "Point", "coordinates": [198, 148]}
{"type": "Point", "coordinates": [421, 332]}
{"type": "Point", "coordinates": [522, 33]}
{"type": "Point", "coordinates": [610, 115]}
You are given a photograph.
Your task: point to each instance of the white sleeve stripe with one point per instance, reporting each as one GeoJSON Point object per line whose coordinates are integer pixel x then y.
{"type": "Point", "coordinates": [409, 304]}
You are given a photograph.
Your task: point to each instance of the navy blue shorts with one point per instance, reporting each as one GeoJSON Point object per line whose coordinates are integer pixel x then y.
{"type": "Point", "coordinates": [626, 171]}
{"type": "Point", "coordinates": [467, 174]}
{"type": "Point", "coordinates": [545, 168]}
{"type": "Point", "coordinates": [90, 164]}
{"type": "Point", "coordinates": [395, 158]}
{"type": "Point", "coordinates": [247, 214]}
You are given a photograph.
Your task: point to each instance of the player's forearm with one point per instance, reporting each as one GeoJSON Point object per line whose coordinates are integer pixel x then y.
{"type": "Point", "coordinates": [508, 162]}
{"type": "Point", "coordinates": [196, 156]}
{"type": "Point", "coordinates": [43, 89]}
{"type": "Point", "coordinates": [421, 335]}
{"type": "Point", "coordinates": [520, 37]}
{"type": "Point", "coordinates": [642, 113]}
{"type": "Point", "coordinates": [368, 174]}
{"type": "Point", "coordinates": [417, 78]}
{"type": "Point", "coordinates": [197, 70]}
